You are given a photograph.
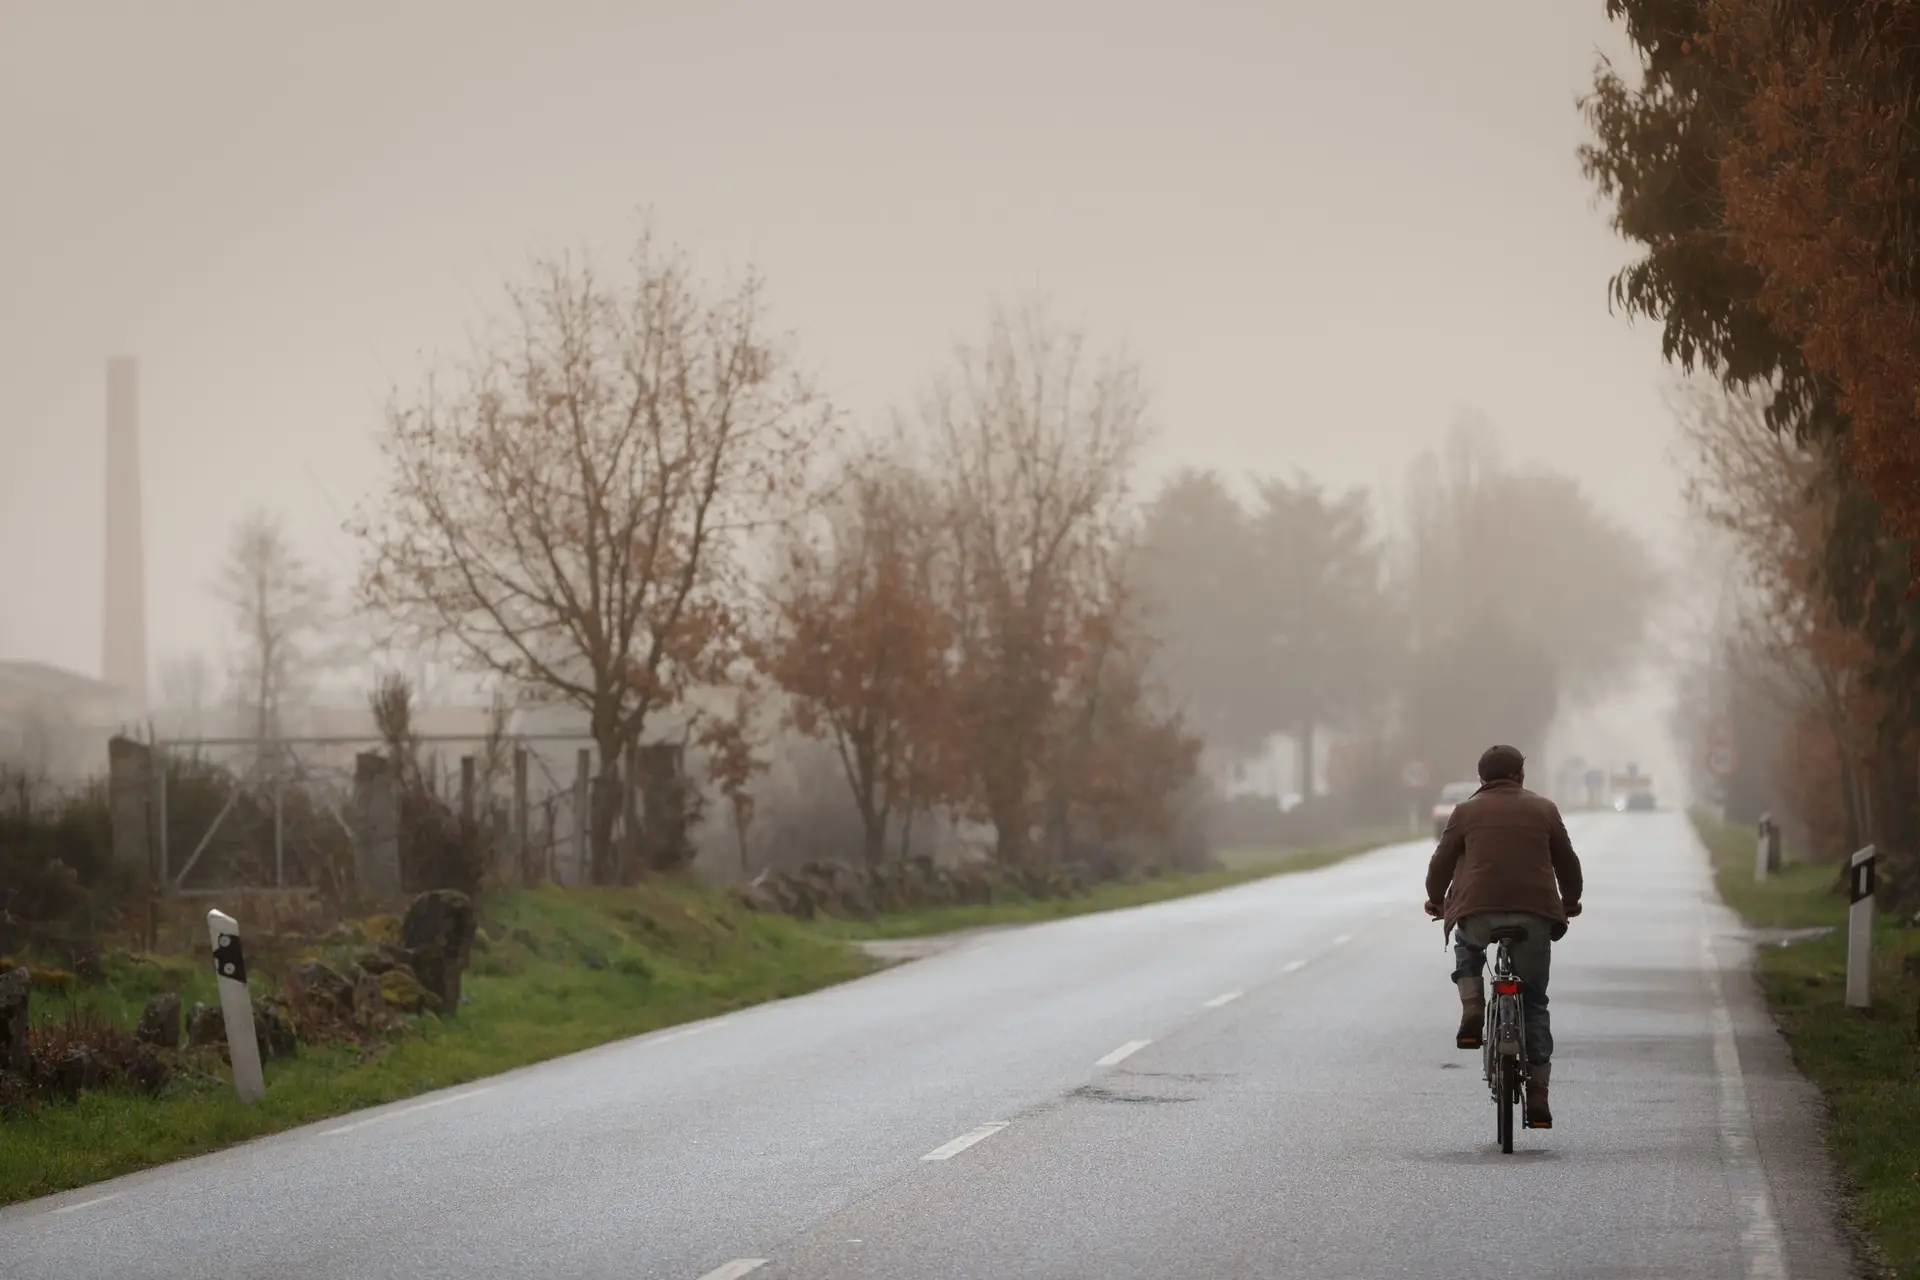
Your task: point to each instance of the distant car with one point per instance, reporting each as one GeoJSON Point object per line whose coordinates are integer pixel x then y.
{"type": "Point", "coordinates": [1636, 802]}
{"type": "Point", "coordinates": [1450, 795]}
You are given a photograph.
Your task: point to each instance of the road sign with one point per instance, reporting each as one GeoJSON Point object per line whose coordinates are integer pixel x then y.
{"type": "Point", "coordinates": [1721, 762]}
{"type": "Point", "coordinates": [1414, 774]}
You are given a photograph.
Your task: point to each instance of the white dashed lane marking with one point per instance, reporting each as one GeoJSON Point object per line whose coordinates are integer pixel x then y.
{"type": "Point", "coordinates": [1125, 1051]}
{"type": "Point", "coordinates": [735, 1269]}
{"type": "Point", "coordinates": [965, 1140]}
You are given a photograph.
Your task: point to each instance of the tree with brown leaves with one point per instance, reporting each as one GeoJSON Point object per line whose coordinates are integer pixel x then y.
{"type": "Point", "coordinates": [861, 640]}
{"type": "Point", "coordinates": [1033, 442]}
{"type": "Point", "coordinates": [571, 512]}
{"type": "Point", "coordinates": [1766, 163]}
{"type": "Point", "coordinates": [734, 761]}
{"type": "Point", "coordinates": [1821, 176]}
{"type": "Point", "coordinates": [1118, 756]}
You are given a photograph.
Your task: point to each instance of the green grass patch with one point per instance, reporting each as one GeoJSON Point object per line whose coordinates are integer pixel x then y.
{"type": "Point", "coordinates": [559, 971]}
{"type": "Point", "coordinates": [1243, 866]}
{"type": "Point", "coordinates": [1866, 1062]}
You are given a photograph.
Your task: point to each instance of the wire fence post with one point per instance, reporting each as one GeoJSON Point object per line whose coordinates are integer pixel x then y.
{"type": "Point", "coordinates": [520, 846]}
{"type": "Point", "coordinates": [582, 799]}
{"type": "Point", "coordinates": [1860, 930]}
{"type": "Point", "coordinates": [160, 761]}
{"type": "Point", "coordinates": [546, 846]}
{"type": "Point", "coordinates": [467, 792]}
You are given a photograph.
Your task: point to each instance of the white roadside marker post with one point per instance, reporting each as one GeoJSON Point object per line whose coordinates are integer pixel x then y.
{"type": "Point", "coordinates": [1860, 930]}
{"type": "Point", "coordinates": [236, 1006]}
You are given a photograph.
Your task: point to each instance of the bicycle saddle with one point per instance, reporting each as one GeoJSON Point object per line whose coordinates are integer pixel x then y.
{"type": "Point", "coordinates": [1508, 933]}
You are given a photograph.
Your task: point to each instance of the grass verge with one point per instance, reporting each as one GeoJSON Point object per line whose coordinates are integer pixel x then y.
{"type": "Point", "coordinates": [1242, 866]}
{"type": "Point", "coordinates": [1866, 1063]}
{"type": "Point", "coordinates": [562, 971]}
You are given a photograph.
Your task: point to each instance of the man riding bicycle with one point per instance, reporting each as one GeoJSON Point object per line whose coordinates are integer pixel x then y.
{"type": "Point", "coordinates": [1505, 859]}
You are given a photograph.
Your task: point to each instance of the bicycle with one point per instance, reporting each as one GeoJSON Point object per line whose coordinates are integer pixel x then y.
{"type": "Point", "coordinates": [1503, 1042]}
{"type": "Point", "coordinates": [1503, 1038]}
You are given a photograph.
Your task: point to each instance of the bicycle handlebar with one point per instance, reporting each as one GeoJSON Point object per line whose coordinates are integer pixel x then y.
{"type": "Point", "coordinates": [1434, 913]}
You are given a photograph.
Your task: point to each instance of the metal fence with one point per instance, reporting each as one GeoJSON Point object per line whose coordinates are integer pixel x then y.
{"type": "Point", "coordinates": [249, 813]}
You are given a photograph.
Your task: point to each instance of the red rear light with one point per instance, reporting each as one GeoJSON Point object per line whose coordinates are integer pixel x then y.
{"type": "Point", "coordinates": [1506, 988]}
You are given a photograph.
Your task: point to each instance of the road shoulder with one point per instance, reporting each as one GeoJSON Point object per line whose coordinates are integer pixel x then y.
{"type": "Point", "coordinates": [1788, 1118]}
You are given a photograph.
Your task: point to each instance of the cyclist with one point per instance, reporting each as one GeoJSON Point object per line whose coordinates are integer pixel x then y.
{"type": "Point", "coordinates": [1505, 859]}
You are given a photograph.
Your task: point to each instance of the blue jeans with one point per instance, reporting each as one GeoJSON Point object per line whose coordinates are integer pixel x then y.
{"type": "Point", "coordinates": [1532, 959]}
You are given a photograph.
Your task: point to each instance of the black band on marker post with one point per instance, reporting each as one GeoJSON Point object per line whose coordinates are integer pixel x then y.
{"type": "Point", "coordinates": [1863, 879]}
{"type": "Point", "coordinates": [228, 962]}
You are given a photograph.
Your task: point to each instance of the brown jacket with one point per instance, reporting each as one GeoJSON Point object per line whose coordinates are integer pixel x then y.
{"type": "Point", "coordinates": [1504, 849]}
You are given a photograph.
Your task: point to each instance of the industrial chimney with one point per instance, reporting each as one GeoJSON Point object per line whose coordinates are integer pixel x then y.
{"type": "Point", "coordinates": [123, 660]}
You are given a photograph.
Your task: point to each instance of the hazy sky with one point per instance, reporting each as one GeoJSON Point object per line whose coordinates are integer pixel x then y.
{"type": "Point", "coordinates": [1322, 226]}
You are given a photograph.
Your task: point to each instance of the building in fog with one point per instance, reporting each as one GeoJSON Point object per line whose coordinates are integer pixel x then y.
{"type": "Point", "coordinates": [55, 723]}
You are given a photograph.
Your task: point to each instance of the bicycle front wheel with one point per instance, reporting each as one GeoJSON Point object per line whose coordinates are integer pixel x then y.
{"type": "Point", "coordinates": [1503, 1097]}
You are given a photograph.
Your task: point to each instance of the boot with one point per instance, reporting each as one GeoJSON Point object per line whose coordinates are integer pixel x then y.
{"type": "Point", "coordinates": [1539, 1116]}
{"type": "Point", "coordinates": [1473, 1012]}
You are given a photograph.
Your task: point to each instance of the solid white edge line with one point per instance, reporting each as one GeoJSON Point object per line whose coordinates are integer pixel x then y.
{"type": "Point", "coordinates": [406, 1111]}
{"type": "Point", "coordinates": [88, 1204]}
{"type": "Point", "coordinates": [948, 1151]}
{"type": "Point", "coordinates": [735, 1269]}
{"type": "Point", "coordinates": [1226, 998]}
{"type": "Point", "coordinates": [1762, 1249]}
{"type": "Point", "coordinates": [683, 1032]}
{"type": "Point", "coordinates": [1125, 1051]}
{"type": "Point", "coordinates": [1294, 966]}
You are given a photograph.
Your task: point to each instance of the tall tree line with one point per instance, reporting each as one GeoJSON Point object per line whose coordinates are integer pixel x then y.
{"type": "Point", "coordinates": [1761, 156]}
{"type": "Point", "coordinates": [1506, 596]}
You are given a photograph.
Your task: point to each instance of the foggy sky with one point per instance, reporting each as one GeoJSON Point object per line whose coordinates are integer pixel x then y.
{"type": "Point", "coordinates": [1322, 227]}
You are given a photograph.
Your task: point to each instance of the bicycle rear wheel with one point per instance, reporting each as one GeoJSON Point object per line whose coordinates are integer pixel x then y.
{"type": "Point", "coordinates": [1503, 1102]}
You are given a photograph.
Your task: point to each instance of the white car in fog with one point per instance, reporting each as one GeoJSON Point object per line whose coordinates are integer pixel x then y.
{"type": "Point", "coordinates": [1450, 795]}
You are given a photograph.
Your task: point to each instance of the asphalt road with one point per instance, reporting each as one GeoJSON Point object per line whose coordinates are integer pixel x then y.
{"type": "Point", "coordinates": [1258, 1082]}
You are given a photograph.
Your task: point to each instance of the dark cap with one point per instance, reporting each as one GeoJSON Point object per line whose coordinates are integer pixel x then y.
{"type": "Point", "coordinates": [1499, 763]}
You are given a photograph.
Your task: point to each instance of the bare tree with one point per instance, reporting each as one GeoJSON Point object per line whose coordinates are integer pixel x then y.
{"type": "Point", "coordinates": [278, 608]}
{"type": "Point", "coordinates": [186, 690]}
{"type": "Point", "coordinates": [1034, 444]}
{"type": "Point", "coordinates": [572, 515]}
{"type": "Point", "coordinates": [1775, 501]}
{"type": "Point", "coordinates": [1522, 595]}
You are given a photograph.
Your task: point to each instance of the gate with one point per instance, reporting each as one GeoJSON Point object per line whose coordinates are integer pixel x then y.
{"type": "Point", "coordinates": [242, 813]}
